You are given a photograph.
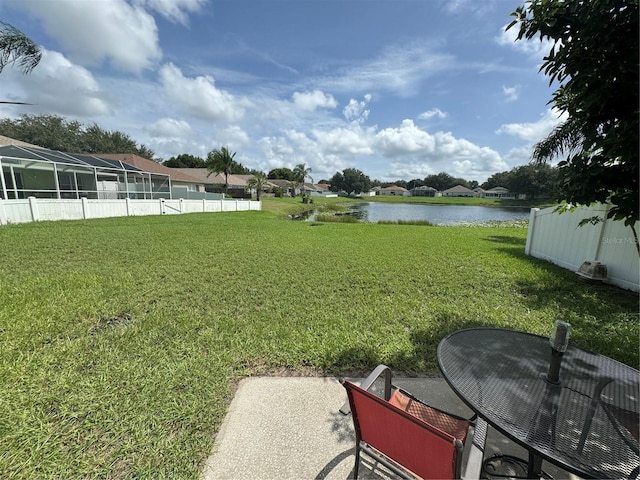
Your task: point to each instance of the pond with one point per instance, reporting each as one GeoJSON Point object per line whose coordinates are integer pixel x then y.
{"type": "Point", "coordinates": [437, 214]}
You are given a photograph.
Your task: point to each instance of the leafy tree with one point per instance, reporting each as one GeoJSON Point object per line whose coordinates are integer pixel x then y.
{"type": "Point", "coordinates": [594, 59]}
{"type": "Point", "coordinates": [258, 181]}
{"type": "Point", "coordinates": [533, 180]}
{"type": "Point", "coordinates": [281, 174]}
{"type": "Point", "coordinates": [416, 182]}
{"type": "Point", "coordinates": [184, 160]}
{"type": "Point", "coordinates": [351, 181]}
{"type": "Point", "coordinates": [443, 181]}
{"type": "Point", "coordinates": [17, 48]}
{"type": "Point", "coordinates": [498, 179]}
{"type": "Point", "coordinates": [56, 133]}
{"type": "Point", "coordinates": [221, 161]}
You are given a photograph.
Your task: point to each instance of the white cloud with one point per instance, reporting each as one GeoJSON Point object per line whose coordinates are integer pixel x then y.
{"type": "Point", "coordinates": [233, 137]}
{"type": "Point", "coordinates": [90, 33]}
{"type": "Point", "coordinates": [534, 48]}
{"type": "Point", "coordinates": [415, 151]}
{"type": "Point", "coordinates": [357, 111]}
{"type": "Point", "coordinates": [345, 141]}
{"type": "Point", "coordinates": [511, 94]}
{"type": "Point", "coordinates": [399, 68]}
{"type": "Point", "coordinates": [533, 131]}
{"type": "Point", "coordinates": [174, 10]}
{"type": "Point", "coordinates": [58, 86]}
{"type": "Point", "coordinates": [199, 96]}
{"type": "Point", "coordinates": [169, 128]}
{"type": "Point", "coordinates": [309, 101]}
{"type": "Point", "coordinates": [434, 112]}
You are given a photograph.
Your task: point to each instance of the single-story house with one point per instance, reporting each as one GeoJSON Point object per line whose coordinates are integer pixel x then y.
{"type": "Point", "coordinates": [30, 171]}
{"type": "Point", "coordinates": [237, 184]}
{"type": "Point", "coordinates": [183, 185]}
{"type": "Point", "coordinates": [394, 190]}
{"type": "Point", "coordinates": [424, 191]}
{"type": "Point", "coordinates": [458, 191]}
{"type": "Point", "coordinates": [498, 192]}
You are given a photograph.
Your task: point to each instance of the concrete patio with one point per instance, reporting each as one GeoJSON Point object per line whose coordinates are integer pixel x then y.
{"type": "Point", "coordinates": [290, 428]}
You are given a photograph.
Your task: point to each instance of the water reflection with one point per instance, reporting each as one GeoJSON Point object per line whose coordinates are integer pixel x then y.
{"type": "Point", "coordinates": [437, 214]}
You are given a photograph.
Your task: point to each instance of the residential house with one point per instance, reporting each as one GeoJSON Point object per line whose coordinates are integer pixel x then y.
{"type": "Point", "coordinates": [289, 189]}
{"type": "Point", "coordinates": [183, 185]}
{"type": "Point", "coordinates": [394, 190]}
{"type": "Point", "coordinates": [424, 191]}
{"type": "Point", "coordinates": [458, 191]}
{"type": "Point", "coordinates": [30, 171]}
{"type": "Point", "coordinates": [498, 192]}
{"type": "Point", "coordinates": [237, 184]}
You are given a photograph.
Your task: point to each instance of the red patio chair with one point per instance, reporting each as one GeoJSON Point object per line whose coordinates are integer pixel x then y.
{"type": "Point", "coordinates": [407, 436]}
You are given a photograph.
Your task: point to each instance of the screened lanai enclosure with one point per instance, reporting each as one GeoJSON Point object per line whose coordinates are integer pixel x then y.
{"type": "Point", "coordinates": [35, 172]}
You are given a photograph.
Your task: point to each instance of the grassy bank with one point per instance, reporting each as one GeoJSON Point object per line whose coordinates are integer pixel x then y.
{"type": "Point", "coordinates": [122, 338]}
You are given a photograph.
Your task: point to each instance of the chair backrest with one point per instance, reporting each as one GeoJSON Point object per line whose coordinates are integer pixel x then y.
{"type": "Point", "coordinates": [412, 443]}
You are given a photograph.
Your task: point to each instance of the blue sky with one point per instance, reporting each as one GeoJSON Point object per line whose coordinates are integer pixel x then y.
{"type": "Point", "coordinates": [399, 89]}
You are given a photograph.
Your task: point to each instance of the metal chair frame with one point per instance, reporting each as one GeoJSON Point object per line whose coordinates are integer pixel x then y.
{"type": "Point", "coordinates": [412, 425]}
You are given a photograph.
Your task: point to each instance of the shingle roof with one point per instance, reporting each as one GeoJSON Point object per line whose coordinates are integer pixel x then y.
{"type": "Point", "coordinates": [202, 174]}
{"type": "Point", "coordinates": [150, 166]}
{"type": "Point", "coordinates": [458, 189]}
{"type": "Point", "coordinates": [12, 141]}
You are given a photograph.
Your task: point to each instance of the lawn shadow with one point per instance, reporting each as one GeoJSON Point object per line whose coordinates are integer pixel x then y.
{"type": "Point", "coordinates": [419, 360]}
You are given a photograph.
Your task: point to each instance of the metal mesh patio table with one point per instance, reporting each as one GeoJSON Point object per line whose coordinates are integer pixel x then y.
{"type": "Point", "coordinates": [586, 424]}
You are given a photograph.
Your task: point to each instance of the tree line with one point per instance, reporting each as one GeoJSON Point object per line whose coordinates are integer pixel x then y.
{"type": "Point", "coordinates": [57, 133]}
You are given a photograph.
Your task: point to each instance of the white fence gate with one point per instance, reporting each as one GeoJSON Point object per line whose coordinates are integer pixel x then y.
{"type": "Point", "coordinates": [38, 209]}
{"type": "Point", "coordinates": [558, 238]}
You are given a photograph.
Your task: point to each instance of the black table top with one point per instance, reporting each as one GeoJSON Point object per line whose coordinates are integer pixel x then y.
{"type": "Point", "coordinates": [500, 374]}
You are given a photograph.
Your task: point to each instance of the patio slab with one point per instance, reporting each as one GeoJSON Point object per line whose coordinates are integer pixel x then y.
{"type": "Point", "coordinates": [291, 428]}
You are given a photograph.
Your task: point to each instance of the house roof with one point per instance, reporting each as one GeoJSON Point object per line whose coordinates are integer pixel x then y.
{"type": "Point", "coordinates": [498, 190]}
{"type": "Point", "coordinates": [393, 187]}
{"type": "Point", "coordinates": [425, 188]}
{"type": "Point", "coordinates": [150, 166]}
{"type": "Point", "coordinates": [204, 176]}
{"type": "Point", "coordinates": [12, 141]}
{"type": "Point", "coordinates": [458, 189]}
{"type": "Point", "coordinates": [281, 183]}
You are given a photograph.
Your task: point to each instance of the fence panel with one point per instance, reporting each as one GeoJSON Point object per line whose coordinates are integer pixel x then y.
{"type": "Point", "coordinates": [559, 239]}
{"type": "Point", "coordinates": [38, 209]}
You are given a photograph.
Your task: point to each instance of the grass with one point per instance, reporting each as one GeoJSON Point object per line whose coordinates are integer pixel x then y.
{"type": "Point", "coordinates": [122, 338]}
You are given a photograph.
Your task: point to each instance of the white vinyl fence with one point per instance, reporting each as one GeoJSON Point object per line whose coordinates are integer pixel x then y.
{"type": "Point", "coordinates": [41, 209]}
{"type": "Point", "coordinates": [558, 238]}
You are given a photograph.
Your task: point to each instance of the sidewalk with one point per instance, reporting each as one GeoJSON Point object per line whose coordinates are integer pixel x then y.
{"type": "Point", "coordinates": [290, 428]}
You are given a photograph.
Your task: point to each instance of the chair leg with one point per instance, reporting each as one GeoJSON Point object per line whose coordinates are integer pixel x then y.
{"type": "Point", "coordinates": [357, 464]}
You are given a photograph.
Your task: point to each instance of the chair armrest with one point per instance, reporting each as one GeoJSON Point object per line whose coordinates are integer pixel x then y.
{"type": "Point", "coordinates": [473, 469]}
{"type": "Point", "coordinates": [366, 384]}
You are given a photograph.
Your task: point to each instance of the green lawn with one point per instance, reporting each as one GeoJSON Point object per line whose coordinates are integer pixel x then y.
{"type": "Point", "coordinates": [122, 338]}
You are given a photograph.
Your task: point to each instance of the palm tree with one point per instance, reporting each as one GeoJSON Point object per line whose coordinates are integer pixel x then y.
{"type": "Point", "coordinates": [258, 181]}
{"type": "Point", "coordinates": [16, 47]}
{"type": "Point", "coordinates": [301, 172]}
{"type": "Point", "coordinates": [221, 161]}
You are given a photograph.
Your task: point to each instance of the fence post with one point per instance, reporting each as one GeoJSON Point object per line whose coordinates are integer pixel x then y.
{"type": "Point", "coordinates": [237, 206]}
{"type": "Point", "coordinates": [85, 208]}
{"type": "Point", "coordinates": [128, 204]}
{"type": "Point", "coordinates": [532, 223]}
{"type": "Point", "coordinates": [204, 205]}
{"type": "Point", "coordinates": [602, 226]}
{"type": "Point", "coordinates": [4, 220]}
{"type": "Point", "coordinates": [162, 206]}
{"type": "Point", "coordinates": [181, 205]}
{"type": "Point", "coordinates": [33, 206]}
{"type": "Point", "coordinates": [221, 205]}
